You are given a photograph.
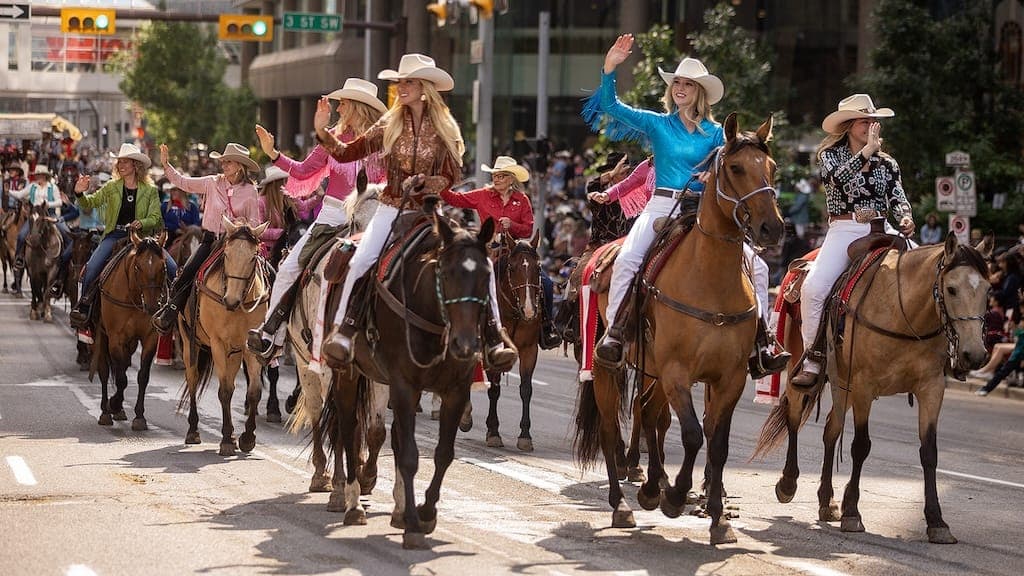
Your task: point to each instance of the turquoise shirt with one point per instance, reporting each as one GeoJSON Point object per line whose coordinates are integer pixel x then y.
{"type": "Point", "coordinates": [677, 151]}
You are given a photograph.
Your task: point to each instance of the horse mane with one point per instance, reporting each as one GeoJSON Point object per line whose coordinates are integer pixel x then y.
{"type": "Point", "coordinates": [356, 197]}
{"type": "Point", "coordinates": [967, 255]}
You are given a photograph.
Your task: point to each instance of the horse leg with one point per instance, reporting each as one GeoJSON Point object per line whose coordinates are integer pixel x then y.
{"type": "Point", "coordinates": [435, 406]}
{"type": "Point", "coordinates": [493, 394]}
{"type": "Point", "coordinates": [247, 441]}
{"type": "Point", "coordinates": [192, 381]}
{"type": "Point", "coordinates": [273, 408]}
{"type": "Point", "coordinates": [120, 359]}
{"type": "Point", "coordinates": [653, 413]}
{"type": "Point", "coordinates": [828, 510]}
{"type": "Point", "coordinates": [680, 398]}
{"type": "Point", "coordinates": [105, 418]}
{"type": "Point", "coordinates": [452, 405]}
{"type": "Point", "coordinates": [718, 423]}
{"type": "Point", "coordinates": [227, 367]}
{"type": "Point", "coordinates": [313, 404]}
{"type": "Point", "coordinates": [606, 393]}
{"type": "Point", "coordinates": [145, 363]}
{"type": "Point", "coordinates": [928, 407]}
{"type": "Point", "coordinates": [635, 472]}
{"type": "Point", "coordinates": [785, 488]}
{"type": "Point", "coordinates": [859, 450]}
{"type": "Point", "coordinates": [376, 434]}
{"type": "Point", "coordinates": [347, 436]}
{"type": "Point", "coordinates": [403, 440]}
{"type": "Point", "coordinates": [527, 363]}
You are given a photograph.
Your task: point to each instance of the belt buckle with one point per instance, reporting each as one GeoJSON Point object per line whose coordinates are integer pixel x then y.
{"type": "Point", "coordinates": [863, 216]}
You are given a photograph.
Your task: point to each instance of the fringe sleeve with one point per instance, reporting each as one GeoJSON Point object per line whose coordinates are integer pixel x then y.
{"type": "Point", "coordinates": [604, 112]}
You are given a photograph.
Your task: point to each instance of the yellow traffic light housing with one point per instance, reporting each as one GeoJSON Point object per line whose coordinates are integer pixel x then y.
{"type": "Point", "coordinates": [88, 21]}
{"type": "Point", "coordinates": [484, 7]}
{"type": "Point", "coordinates": [246, 27]}
{"type": "Point", "coordinates": [439, 10]}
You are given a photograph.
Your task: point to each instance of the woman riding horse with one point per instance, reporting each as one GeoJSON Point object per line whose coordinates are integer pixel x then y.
{"type": "Point", "coordinates": [42, 191]}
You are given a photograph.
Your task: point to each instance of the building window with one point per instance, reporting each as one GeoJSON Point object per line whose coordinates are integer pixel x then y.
{"type": "Point", "coordinates": [1010, 52]}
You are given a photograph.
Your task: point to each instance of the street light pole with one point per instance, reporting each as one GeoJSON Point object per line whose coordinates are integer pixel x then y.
{"type": "Point", "coordinates": [485, 96]}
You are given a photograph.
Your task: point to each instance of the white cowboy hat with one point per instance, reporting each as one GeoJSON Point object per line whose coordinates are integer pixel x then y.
{"type": "Point", "coordinates": [132, 152]}
{"type": "Point", "coordinates": [40, 171]}
{"type": "Point", "coordinates": [237, 153]}
{"type": "Point", "coordinates": [851, 108]}
{"type": "Point", "coordinates": [508, 164]}
{"type": "Point", "coordinates": [361, 91]}
{"type": "Point", "coordinates": [422, 68]}
{"type": "Point", "coordinates": [694, 69]}
{"type": "Point", "coordinates": [273, 174]}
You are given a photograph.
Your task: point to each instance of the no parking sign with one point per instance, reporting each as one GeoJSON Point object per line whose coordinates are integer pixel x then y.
{"type": "Point", "coordinates": [961, 226]}
{"type": "Point", "coordinates": [945, 194]}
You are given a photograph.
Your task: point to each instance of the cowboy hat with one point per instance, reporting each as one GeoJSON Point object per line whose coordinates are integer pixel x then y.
{"type": "Point", "coordinates": [422, 68]}
{"type": "Point", "coordinates": [131, 151]}
{"type": "Point", "coordinates": [41, 171]}
{"type": "Point", "coordinates": [852, 108]}
{"type": "Point", "coordinates": [693, 69]}
{"type": "Point", "coordinates": [237, 153]}
{"type": "Point", "coordinates": [273, 174]}
{"type": "Point", "coordinates": [361, 91]}
{"type": "Point", "coordinates": [16, 166]}
{"type": "Point", "coordinates": [611, 162]}
{"type": "Point", "coordinates": [508, 164]}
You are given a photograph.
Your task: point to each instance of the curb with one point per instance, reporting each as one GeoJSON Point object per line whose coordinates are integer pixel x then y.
{"type": "Point", "coordinates": [972, 384]}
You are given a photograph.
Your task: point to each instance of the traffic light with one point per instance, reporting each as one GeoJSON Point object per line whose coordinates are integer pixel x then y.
{"type": "Point", "coordinates": [246, 27]}
{"type": "Point", "coordinates": [88, 20]}
{"type": "Point", "coordinates": [440, 10]}
{"type": "Point", "coordinates": [484, 7]}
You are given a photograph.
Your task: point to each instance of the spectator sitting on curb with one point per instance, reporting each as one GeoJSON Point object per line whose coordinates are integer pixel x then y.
{"type": "Point", "coordinates": [1012, 363]}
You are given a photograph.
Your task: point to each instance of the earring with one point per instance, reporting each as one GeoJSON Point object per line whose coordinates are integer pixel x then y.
{"type": "Point", "coordinates": [423, 97]}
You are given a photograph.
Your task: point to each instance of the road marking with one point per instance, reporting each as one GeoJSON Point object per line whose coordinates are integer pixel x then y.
{"type": "Point", "coordinates": [980, 478]}
{"type": "Point", "coordinates": [22, 473]}
{"type": "Point", "coordinates": [79, 570]}
{"type": "Point", "coordinates": [534, 380]}
{"type": "Point", "coordinates": [539, 478]}
{"type": "Point", "coordinates": [810, 568]}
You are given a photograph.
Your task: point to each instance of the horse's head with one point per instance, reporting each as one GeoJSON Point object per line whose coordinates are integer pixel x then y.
{"type": "Point", "coordinates": [961, 295]}
{"type": "Point", "coordinates": [147, 270]}
{"type": "Point", "coordinates": [241, 249]}
{"type": "Point", "coordinates": [463, 283]}
{"type": "Point", "coordinates": [742, 178]}
{"type": "Point", "coordinates": [82, 243]}
{"type": "Point", "coordinates": [520, 275]}
{"type": "Point", "coordinates": [361, 203]}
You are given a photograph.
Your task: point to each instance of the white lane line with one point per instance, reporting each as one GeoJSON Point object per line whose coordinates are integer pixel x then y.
{"type": "Point", "coordinates": [22, 473]}
{"type": "Point", "coordinates": [534, 380]}
{"type": "Point", "coordinates": [79, 570]}
{"type": "Point", "coordinates": [979, 478]}
{"type": "Point", "coordinates": [547, 481]}
{"type": "Point", "coordinates": [810, 568]}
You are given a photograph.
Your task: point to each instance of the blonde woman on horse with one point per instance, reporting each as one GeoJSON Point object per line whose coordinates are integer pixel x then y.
{"type": "Point", "coordinates": [861, 182]}
{"type": "Point", "coordinates": [358, 109]}
{"type": "Point", "coordinates": [504, 202]}
{"type": "Point", "coordinates": [132, 203]}
{"type": "Point", "coordinates": [230, 194]}
{"type": "Point", "coordinates": [681, 137]}
{"type": "Point", "coordinates": [417, 136]}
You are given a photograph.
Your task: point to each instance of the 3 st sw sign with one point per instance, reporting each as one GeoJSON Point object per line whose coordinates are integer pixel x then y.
{"type": "Point", "coordinates": [15, 11]}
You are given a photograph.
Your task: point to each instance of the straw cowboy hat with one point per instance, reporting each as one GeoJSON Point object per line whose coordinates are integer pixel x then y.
{"type": "Point", "coordinates": [694, 69]}
{"type": "Point", "coordinates": [361, 91]}
{"type": "Point", "coordinates": [508, 164]}
{"type": "Point", "coordinates": [273, 174]}
{"type": "Point", "coordinates": [41, 171]}
{"type": "Point", "coordinates": [237, 153]}
{"type": "Point", "coordinates": [16, 166]}
{"type": "Point", "coordinates": [852, 108]}
{"type": "Point", "coordinates": [422, 68]}
{"type": "Point", "coordinates": [132, 152]}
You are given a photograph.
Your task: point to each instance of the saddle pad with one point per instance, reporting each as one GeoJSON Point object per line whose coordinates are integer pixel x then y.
{"type": "Point", "coordinates": [402, 245]}
{"type": "Point", "coordinates": [600, 260]}
{"type": "Point", "coordinates": [659, 253]}
{"type": "Point", "coordinates": [121, 248]}
{"type": "Point", "coordinates": [867, 262]}
{"type": "Point", "coordinates": [209, 265]}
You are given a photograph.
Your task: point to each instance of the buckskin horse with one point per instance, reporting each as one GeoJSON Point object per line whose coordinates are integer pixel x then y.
{"type": "Point", "coordinates": [42, 257]}
{"type": "Point", "coordinates": [701, 320]}
{"type": "Point", "coordinates": [428, 318]}
{"type": "Point", "coordinates": [129, 296]}
{"type": "Point", "coordinates": [227, 301]}
{"type": "Point", "coordinates": [913, 317]}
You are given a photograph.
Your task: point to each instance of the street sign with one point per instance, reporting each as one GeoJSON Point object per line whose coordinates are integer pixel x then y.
{"type": "Point", "coordinates": [476, 51]}
{"type": "Point", "coordinates": [958, 158]}
{"type": "Point", "coordinates": [310, 22]}
{"type": "Point", "coordinates": [966, 194]}
{"type": "Point", "coordinates": [15, 11]}
{"type": "Point", "coordinates": [945, 194]}
{"type": "Point", "coordinates": [961, 226]}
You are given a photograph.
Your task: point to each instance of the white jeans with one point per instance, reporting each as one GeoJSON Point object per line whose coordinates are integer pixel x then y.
{"type": "Point", "coordinates": [288, 271]}
{"type": "Point", "coordinates": [639, 239]}
{"type": "Point", "coordinates": [759, 272]}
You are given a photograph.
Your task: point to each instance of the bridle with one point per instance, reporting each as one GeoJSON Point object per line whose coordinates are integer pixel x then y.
{"type": "Point", "coordinates": [742, 220]}
{"type": "Point", "coordinates": [532, 280]}
{"type": "Point", "coordinates": [147, 244]}
{"type": "Point", "coordinates": [945, 320]}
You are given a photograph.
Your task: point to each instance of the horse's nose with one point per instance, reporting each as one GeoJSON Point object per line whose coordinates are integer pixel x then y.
{"type": "Point", "coordinates": [231, 303]}
{"type": "Point", "coordinates": [770, 232]}
{"type": "Point", "coordinates": [973, 361]}
{"type": "Point", "coordinates": [462, 347]}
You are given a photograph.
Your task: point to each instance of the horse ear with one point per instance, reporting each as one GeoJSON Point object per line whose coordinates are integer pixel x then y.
{"type": "Point", "coordinates": [442, 228]}
{"type": "Point", "coordinates": [361, 181]}
{"type": "Point", "coordinates": [134, 236]}
{"type": "Point", "coordinates": [535, 241]}
{"type": "Point", "coordinates": [731, 127]}
{"type": "Point", "coordinates": [259, 230]}
{"type": "Point", "coordinates": [764, 133]}
{"type": "Point", "coordinates": [986, 246]}
{"type": "Point", "coordinates": [162, 238]}
{"type": "Point", "coordinates": [486, 231]}
{"type": "Point", "coordinates": [229, 226]}
{"type": "Point", "coordinates": [951, 245]}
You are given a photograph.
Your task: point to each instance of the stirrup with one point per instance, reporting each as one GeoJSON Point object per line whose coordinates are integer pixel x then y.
{"type": "Point", "coordinates": [164, 319]}
{"type": "Point", "coordinates": [549, 338]}
{"type": "Point", "coordinates": [262, 348]}
{"type": "Point", "coordinates": [338, 350]}
{"type": "Point", "coordinates": [610, 351]}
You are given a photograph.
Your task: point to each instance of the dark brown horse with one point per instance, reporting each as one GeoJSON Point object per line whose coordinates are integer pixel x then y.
{"type": "Point", "coordinates": [129, 296]}
{"type": "Point", "coordinates": [83, 243]}
{"type": "Point", "coordinates": [920, 316]}
{"type": "Point", "coordinates": [701, 320]}
{"type": "Point", "coordinates": [10, 224]}
{"type": "Point", "coordinates": [42, 258]}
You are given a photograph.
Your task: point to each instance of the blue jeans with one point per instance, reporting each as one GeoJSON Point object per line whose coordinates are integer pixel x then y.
{"type": "Point", "coordinates": [102, 254]}
{"type": "Point", "coordinates": [22, 235]}
{"type": "Point", "coordinates": [65, 234]}
{"type": "Point", "coordinates": [548, 287]}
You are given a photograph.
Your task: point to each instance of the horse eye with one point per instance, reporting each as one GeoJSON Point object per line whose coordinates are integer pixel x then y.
{"type": "Point", "coordinates": [951, 290]}
{"type": "Point", "coordinates": [736, 169]}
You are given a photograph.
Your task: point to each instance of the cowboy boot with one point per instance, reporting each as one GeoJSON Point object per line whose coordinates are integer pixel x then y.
{"type": "Point", "coordinates": [609, 351]}
{"type": "Point", "coordinates": [500, 352]}
{"type": "Point", "coordinates": [165, 317]}
{"type": "Point", "coordinates": [80, 315]}
{"type": "Point", "coordinates": [263, 348]}
{"type": "Point", "coordinates": [339, 347]}
{"type": "Point", "coordinates": [549, 337]}
{"type": "Point", "coordinates": [810, 370]}
{"type": "Point", "coordinates": [766, 361]}
{"type": "Point", "coordinates": [57, 288]}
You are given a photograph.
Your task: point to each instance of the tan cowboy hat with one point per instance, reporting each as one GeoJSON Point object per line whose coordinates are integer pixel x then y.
{"type": "Point", "coordinates": [41, 171]}
{"type": "Point", "coordinates": [851, 108]}
{"type": "Point", "coordinates": [422, 68]}
{"type": "Point", "coordinates": [694, 69]}
{"type": "Point", "coordinates": [508, 164]}
{"type": "Point", "coordinates": [132, 151]}
{"type": "Point", "coordinates": [273, 174]}
{"type": "Point", "coordinates": [237, 153]}
{"type": "Point", "coordinates": [361, 91]}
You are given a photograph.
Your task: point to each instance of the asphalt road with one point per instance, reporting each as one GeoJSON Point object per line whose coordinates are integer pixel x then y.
{"type": "Point", "coordinates": [77, 498]}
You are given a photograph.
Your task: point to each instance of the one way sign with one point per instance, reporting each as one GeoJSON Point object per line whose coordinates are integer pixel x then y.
{"type": "Point", "coordinates": [15, 11]}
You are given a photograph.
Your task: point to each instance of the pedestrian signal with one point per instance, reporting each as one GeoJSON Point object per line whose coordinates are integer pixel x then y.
{"type": "Point", "coordinates": [246, 27]}
{"type": "Point", "coordinates": [88, 20]}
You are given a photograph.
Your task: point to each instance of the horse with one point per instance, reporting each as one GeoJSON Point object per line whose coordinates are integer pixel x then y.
{"type": "Point", "coordinates": [701, 318]}
{"type": "Point", "coordinates": [42, 257]}
{"type": "Point", "coordinates": [431, 330]}
{"type": "Point", "coordinates": [129, 295]}
{"type": "Point", "coordinates": [82, 244]}
{"type": "Point", "coordinates": [920, 316]}
{"type": "Point", "coordinates": [226, 302]}
{"type": "Point", "coordinates": [185, 244]}
{"type": "Point", "coordinates": [519, 300]}
{"type": "Point", "coordinates": [10, 224]}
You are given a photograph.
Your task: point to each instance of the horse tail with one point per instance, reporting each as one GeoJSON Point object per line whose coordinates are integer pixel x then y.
{"type": "Point", "coordinates": [100, 355]}
{"type": "Point", "coordinates": [204, 370]}
{"type": "Point", "coordinates": [588, 423]}
{"type": "Point", "coordinates": [777, 424]}
{"type": "Point", "coordinates": [331, 419]}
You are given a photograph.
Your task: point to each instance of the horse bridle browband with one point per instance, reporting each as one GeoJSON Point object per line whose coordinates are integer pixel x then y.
{"type": "Point", "coordinates": [517, 305]}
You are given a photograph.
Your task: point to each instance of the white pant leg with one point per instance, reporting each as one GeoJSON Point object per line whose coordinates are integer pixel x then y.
{"type": "Point", "coordinates": [759, 273]}
{"type": "Point", "coordinates": [493, 287]}
{"type": "Point", "coordinates": [639, 239]}
{"type": "Point", "coordinates": [370, 245]}
{"type": "Point", "coordinates": [828, 266]}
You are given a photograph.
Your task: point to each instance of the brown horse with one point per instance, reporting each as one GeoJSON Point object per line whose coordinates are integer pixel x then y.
{"type": "Point", "coordinates": [225, 304]}
{"type": "Point", "coordinates": [701, 321]}
{"type": "Point", "coordinates": [920, 315]}
{"type": "Point", "coordinates": [42, 258]}
{"type": "Point", "coordinates": [10, 224]}
{"type": "Point", "coordinates": [185, 244]}
{"type": "Point", "coordinates": [129, 296]}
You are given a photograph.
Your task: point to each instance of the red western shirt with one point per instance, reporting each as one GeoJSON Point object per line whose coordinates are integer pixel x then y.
{"type": "Point", "coordinates": [488, 204]}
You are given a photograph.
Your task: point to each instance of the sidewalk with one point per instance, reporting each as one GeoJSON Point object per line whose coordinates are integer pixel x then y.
{"type": "Point", "coordinates": [972, 384]}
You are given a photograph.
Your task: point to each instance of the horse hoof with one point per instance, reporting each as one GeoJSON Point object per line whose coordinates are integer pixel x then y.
{"type": "Point", "coordinates": [466, 423]}
{"type": "Point", "coordinates": [120, 416]}
{"type": "Point", "coordinates": [336, 501]}
{"type": "Point", "coordinates": [428, 526]}
{"type": "Point", "coordinates": [139, 425]}
{"type": "Point", "coordinates": [851, 524]}
{"type": "Point", "coordinates": [622, 517]}
{"type": "Point", "coordinates": [435, 414]}
{"type": "Point", "coordinates": [106, 420]}
{"type": "Point", "coordinates": [722, 534]}
{"type": "Point", "coordinates": [525, 444]}
{"type": "Point", "coordinates": [780, 491]}
{"type": "Point", "coordinates": [355, 517]}
{"type": "Point", "coordinates": [940, 535]}
{"type": "Point", "coordinates": [397, 520]}
{"type": "Point", "coordinates": [192, 438]}
{"type": "Point", "coordinates": [495, 442]}
{"type": "Point", "coordinates": [247, 442]}
{"type": "Point", "coordinates": [274, 418]}
{"type": "Point", "coordinates": [668, 508]}
{"type": "Point", "coordinates": [695, 498]}
{"type": "Point", "coordinates": [227, 449]}
{"type": "Point", "coordinates": [621, 473]}
{"type": "Point", "coordinates": [414, 541]}
{"type": "Point", "coordinates": [322, 483]}
{"type": "Point", "coordinates": [636, 474]}
{"type": "Point", "coordinates": [829, 513]}
{"type": "Point", "coordinates": [648, 502]}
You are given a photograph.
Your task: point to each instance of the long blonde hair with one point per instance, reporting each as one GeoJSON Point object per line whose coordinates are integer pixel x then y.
{"type": "Point", "coordinates": [701, 107]}
{"type": "Point", "coordinates": [831, 140]}
{"type": "Point", "coordinates": [359, 118]}
{"type": "Point", "coordinates": [440, 117]}
{"type": "Point", "coordinates": [141, 173]}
